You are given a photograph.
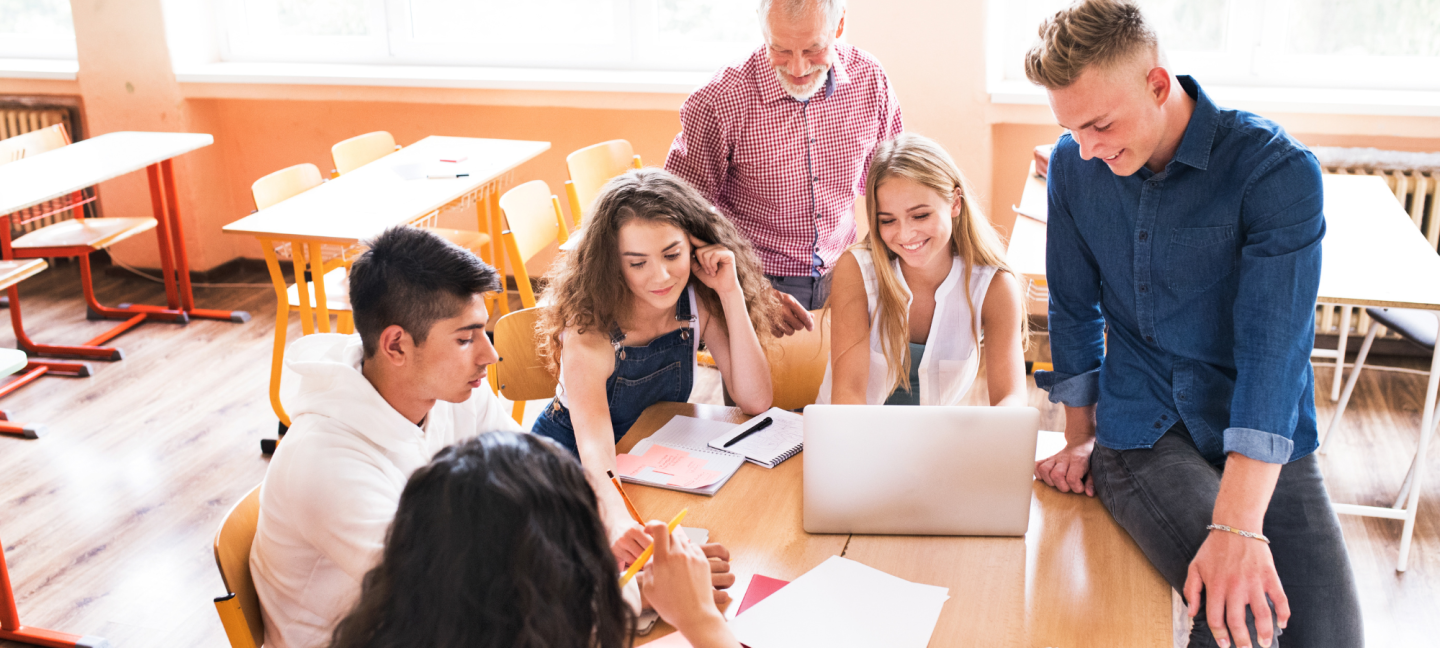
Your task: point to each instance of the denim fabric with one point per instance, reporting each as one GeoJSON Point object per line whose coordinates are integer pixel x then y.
{"type": "Point", "coordinates": [1189, 294]}
{"type": "Point", "coordinates": [1163, 497]}
{"type": "Point", "coordinates": [663, 370]}
{"type": "Point", "coordinates": [902, 397]}
{"type": "Point", "coordinates": [811, 292]}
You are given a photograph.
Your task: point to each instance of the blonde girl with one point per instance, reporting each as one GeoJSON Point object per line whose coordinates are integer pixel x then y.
{"type": "Point", "coordinates": [910, 301]}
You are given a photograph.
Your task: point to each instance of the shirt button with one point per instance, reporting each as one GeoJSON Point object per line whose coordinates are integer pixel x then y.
{"type": "Point", "coordinates": [1144, 235]}
{"type": "Point", "coordinates": [815, 179]}
{"type": "Point", "coordinates": [1164, 417]}
{"type": "Point", "coordinates": [1144, 287]}
{"type": "Point", "coordinates": [1157, 425]}
{"type": "Point", "coordinates": [1149, 338]}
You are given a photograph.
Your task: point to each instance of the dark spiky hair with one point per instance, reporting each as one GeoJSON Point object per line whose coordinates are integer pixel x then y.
{"type": "Point", "coordinates": [412, 278]}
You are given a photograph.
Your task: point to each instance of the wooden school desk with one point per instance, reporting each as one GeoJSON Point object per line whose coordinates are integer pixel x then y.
{"type": "Point", "coordinates": [392, 190]}
{"type": "Point", "coordinates": [86, 163]}
{"type": "Point", "coordinates": [1074, 580]}
{"type": "Point", "coordinates": [1375, 256]}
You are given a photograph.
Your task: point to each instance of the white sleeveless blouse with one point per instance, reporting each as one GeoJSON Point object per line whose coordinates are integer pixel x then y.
{"type": "Point", "coordinates": [951, 362]}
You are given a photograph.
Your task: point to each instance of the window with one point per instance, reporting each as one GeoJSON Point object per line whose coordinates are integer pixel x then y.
{"type": "Point", "coordinates": [597, 34]}
{"type": "Point", "coordinates": [1336, 44]}
{"type": "Point", "coordinates": [36, 29]}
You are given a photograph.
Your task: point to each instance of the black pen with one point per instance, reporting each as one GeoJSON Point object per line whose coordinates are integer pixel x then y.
{"type": "Point", "coordinates": [763, 424]}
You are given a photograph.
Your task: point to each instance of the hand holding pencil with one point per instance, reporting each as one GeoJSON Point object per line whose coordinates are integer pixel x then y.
{"type": "Point", "coordinates": [678, 585]}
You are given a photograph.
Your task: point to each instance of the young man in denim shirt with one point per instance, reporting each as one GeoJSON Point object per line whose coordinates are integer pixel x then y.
{"type": "Point", "coordinates": [1183, 261]}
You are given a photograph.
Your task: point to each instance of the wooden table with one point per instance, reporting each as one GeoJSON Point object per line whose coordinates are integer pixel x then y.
{"type": "Point", "coordinates": [1373, 255]}
{"type": "Point", "coordinates": [1075, 579]}
{"type": "Point", "coordinates": [53, 174]}
{"type": "Point", "coordinates": [358, 205]}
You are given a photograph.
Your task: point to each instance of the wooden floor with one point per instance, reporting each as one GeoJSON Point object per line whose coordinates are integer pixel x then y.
{"type": "Point", "coordinates": [108, 520]}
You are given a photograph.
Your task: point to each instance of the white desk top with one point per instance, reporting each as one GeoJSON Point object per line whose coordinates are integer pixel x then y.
{"type": "Point", "coordinates": [1027, 239]}
{"type": "Point", "coordinates": [389, 191]}
{"type": "Point", "coordinates": [1373, 254]}
{"type": "Point", "coordinates": [52, 174]}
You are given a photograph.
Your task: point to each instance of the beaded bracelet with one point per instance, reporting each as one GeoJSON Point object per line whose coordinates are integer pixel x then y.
{"type": "Point", "coordinates": [1239, 532]}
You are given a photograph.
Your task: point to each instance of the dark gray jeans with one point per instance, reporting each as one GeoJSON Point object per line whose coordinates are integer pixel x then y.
{"type": "Point", "coordinates": [811, 292]}
{"type": "Point", "coordinates": [1164, 496]}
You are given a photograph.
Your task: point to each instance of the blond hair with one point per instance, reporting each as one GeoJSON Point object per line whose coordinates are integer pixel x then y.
{"type": "Point", "coordinates": [1088, 33]}
{"type": "Point", "coordinates": [972, 238]}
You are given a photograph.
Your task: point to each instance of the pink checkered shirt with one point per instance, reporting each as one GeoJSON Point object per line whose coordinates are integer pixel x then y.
{"type": "Point", "coordinates": [787, 172]}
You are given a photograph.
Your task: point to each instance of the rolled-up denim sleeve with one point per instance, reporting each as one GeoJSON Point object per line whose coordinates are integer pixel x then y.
{"type": "Point", "coordinates": [1075, 391]}
{"type": "Point", "coordinates": [1077, 327]}
{"type": "Point", "coordinates": [1274, 309]}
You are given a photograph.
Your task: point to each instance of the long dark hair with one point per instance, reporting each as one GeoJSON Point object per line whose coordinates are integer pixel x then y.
{"type": "Point", "coordinates": [588, 288]}
{"type": "Point", "coordinates": [497, 542]}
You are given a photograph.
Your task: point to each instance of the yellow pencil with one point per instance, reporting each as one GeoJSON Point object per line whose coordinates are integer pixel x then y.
{"type": "Point", "coordinates": [645, 555]}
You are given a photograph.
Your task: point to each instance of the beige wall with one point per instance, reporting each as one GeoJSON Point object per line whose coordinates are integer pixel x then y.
{"type": "Point", "coordinates": [933, 51]}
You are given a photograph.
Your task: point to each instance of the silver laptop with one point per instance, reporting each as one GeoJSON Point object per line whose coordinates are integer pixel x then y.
{"type": "Point", "coordinates": [919, 470]}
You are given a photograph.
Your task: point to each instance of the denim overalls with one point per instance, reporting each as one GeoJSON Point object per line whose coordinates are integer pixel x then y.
{"type": "Point", "coordinates": [663, 370]}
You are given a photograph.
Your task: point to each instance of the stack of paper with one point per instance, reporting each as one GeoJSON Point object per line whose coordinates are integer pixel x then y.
{"type": "Point", "coordinates": [841, 604]}
{"type": "Point", "coordinates": [676, 457]}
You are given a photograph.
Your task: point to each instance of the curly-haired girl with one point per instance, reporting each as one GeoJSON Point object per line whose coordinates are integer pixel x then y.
{"type": "Point", "coordinates": [658, 271]}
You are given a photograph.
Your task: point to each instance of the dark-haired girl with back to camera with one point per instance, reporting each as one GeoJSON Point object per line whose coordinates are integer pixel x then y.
{"type": "Point", "coordinates": [498, 543]}
{"type": "Point", "coordinates": [658, 271]}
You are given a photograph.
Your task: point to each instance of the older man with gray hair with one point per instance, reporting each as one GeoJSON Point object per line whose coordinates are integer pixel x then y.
{"type": "Point", "coordinates": [781, 141]}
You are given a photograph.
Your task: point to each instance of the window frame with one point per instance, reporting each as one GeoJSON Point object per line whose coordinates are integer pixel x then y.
{"type": "Point", "coordinates": [637, 44]}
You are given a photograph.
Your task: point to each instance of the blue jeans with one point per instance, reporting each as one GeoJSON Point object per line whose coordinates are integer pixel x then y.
{"type": "Point", "coordinates": [1163, 497]}
{"type": "Point", "coordinates": [663, 370]}
{"type": "Point", "coordinates": [811, 292]}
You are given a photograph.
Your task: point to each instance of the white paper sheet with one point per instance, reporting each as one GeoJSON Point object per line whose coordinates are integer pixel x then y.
{"type": "Point", "coordinates": [841, 604]}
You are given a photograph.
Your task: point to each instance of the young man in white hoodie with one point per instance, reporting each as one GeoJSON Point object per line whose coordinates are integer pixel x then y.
{"type": "Point", "coordinates": [371, 408]}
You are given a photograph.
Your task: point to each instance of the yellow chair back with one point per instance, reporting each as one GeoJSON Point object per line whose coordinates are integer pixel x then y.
{"type": "Point", "coordinates": [361, 150]}
{"type": "Point", "coordinates": [520, 373]}
{"type": "Point", "coordinates": [33, 143]}
{"type": "Point", "coordinates": [240, 608]}
{"type": "Point", "coordinates": [533, 220]}
{"type": "Point", "coordinates": [284, 183]}
{"type": "Point", "coordinates": [593, 166]}
{"type": "Point", "coordinates": [797, 365]}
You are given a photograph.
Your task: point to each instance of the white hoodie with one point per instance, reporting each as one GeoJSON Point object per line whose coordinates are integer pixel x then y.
{"type": "Point", "coordinates": [334, 483]}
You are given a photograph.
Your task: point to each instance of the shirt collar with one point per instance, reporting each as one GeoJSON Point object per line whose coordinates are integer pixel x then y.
{"type": "Point", "coordinates": [771, 91]}
{"type": "Point", "coordinates": [1199, 135]}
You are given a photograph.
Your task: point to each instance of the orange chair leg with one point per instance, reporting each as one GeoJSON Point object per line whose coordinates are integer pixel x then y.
{"type": "Point", "coordinates": [11, 630]}
{"type": "Point", "coordinates": [22, 340]}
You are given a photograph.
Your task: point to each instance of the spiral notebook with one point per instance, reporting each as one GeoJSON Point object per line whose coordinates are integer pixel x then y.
{"type": "Point", "coordinates": [783, 438]}
{"type": "Point", "coordinates": [677, 457]}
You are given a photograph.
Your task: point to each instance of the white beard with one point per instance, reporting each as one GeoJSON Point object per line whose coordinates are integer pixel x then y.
{"type": "Point", "coordinates": [803, 93]}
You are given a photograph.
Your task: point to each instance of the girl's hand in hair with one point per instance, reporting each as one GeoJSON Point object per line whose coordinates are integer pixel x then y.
{"type": "Point", "coordinates": [677, 583]}
{"type": "Point", "coordinates": [715, 266]}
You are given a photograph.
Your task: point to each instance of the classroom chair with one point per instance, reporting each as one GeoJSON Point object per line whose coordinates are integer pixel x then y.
{"type": "Point", "coordinates": [519, 375]}
{"type": "Point", "coordinates": [240, 607]}
{"type": "Point", "coordinates": [590, 168]}
{"type": "Point", "coordinates": [797, 365]}
{"type": "Point", "coordinates": [13, 361]}
{"type": "Point", "coordinates": [1420, 328]}
{"type": "Point", "coordinates": [361, 150]}
{"type": "Point", "coordinates": [77, 236]}
{"type": "Point", "coordinates": [533, 220]}
{"type": "Point", "coordinates": [333, 285]}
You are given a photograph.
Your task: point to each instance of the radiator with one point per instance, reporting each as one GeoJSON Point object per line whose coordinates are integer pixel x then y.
{"type": "Point", "coordinates": [1414, 178]}
{"type": "Point", "coordinates": [20, 119]}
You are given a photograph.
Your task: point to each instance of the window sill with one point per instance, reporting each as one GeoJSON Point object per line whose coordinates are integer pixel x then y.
{"type": "Point", "coordinates": [411, 76]}
{"type": "Point", "coordinates": [1403, 103]}
{"type": "Point", "coordinates": [52, 69]}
